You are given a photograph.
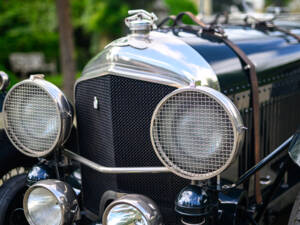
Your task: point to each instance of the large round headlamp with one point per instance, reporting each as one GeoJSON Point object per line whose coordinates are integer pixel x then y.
{"type": "Point", "coordinates": [37, 116]}
{"type": "Point", "coordinates": [50, 202]}
{"type": "Point", "coordinates": [196, 132]}
{"type": "Point", "coordinates": [132, 209]}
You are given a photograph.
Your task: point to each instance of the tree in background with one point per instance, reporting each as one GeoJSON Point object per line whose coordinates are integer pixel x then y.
{"type": "Point", "coordinates": [32, 26]}
{"type": "Point", "coordinates": [66, 44]}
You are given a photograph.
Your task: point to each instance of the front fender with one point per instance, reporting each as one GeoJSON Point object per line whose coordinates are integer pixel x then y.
{"type": "Point", "coordinates": [10, 157]}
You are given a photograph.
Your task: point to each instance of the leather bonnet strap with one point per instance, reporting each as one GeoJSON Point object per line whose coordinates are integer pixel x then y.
{"type": "Point", "coordinates": [217, 34]}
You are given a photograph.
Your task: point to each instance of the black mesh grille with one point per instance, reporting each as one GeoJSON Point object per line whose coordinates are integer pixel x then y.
{"type": "Point", "coordinates": [117, 134]}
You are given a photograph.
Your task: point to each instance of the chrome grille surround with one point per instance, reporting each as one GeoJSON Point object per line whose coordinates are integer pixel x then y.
{"type": "Point", "coordinates": [196, 132]}
{"type": "Point", "coordinates": [37, 117]}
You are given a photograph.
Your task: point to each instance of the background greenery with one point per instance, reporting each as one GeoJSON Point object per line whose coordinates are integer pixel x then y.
{"type": "Point", "coordinates": [31, 26]}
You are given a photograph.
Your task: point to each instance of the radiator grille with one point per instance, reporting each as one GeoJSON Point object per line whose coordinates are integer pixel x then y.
{"type": "Point", "coordinates": [118, 134]}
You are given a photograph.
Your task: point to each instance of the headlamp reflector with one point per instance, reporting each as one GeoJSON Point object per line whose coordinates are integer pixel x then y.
{"type": "Point", "coordinates": [50, 202]}
{"type": "Point", "coordinates": [43, 207]}
{"type": "Point", "coordinates": [132, 209]}
{"type": "Point", "coordinates": [125, 214]}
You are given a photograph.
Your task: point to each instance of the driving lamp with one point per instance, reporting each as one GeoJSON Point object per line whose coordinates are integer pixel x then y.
{"type": "Point", "coordinates": [196, 132]}
{"type": "Point", "coordinates": [132, 209]}
{"type": "Point", "coordinates": [50, 202]}
{"type": "Point", "coordinates": [37, 116]}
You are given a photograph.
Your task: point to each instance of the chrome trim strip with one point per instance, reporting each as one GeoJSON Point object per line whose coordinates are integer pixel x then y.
{"type": "Point", "coordinates": [113, 170]}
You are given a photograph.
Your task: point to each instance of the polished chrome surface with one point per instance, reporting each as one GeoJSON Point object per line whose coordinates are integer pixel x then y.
{"type": "Point", "coordinates": [114, 170]}
{"type": "Point", "coordinates": [4, 81]}
{"type": "Point", "coordinates": [125, 214]}
{"type": "Point", "coordinates": [140, 203]}
{"type": "Point", "coordinates": [37, 116]}
{"type": "Point", "coordinates": [50, 197]}
{"type": "Point", "coordinates": [43, 208]}
{"type": "Point", "coordinates": [164, 59]}
{"type": "Point", "coordinates": [196, 132]}
{"type": "Point", "coordinates": [140, 21]}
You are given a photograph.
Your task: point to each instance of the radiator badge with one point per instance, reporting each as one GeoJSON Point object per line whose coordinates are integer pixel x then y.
{"type": "Point", "coordinates": [96, 104]}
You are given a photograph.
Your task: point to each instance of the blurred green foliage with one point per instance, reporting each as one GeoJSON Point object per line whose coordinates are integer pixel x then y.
{"type": "Point", "coordinates": [27, 26]}
{"type": "Point", "coordinates": [31, 26]}
{"type": "Point", "coordinates": [177, 6]}
{"type": "Point", "coordinates": [278, 2]}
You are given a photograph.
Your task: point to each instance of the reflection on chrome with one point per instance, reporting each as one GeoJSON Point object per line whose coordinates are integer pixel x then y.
{"type": "Point", "coordinates": [50, 202]}
{"type": "Point", "coordinates": [43, 207]}
{"type": "Point", "coordinates": [132, 209]}
{"type": "Point", "coordinates": [125, 214]}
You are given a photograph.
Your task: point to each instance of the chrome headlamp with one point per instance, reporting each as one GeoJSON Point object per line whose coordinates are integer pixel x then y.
{"type": "Point", "coordinates": [196, 132]}
{"type": "Point", "coordinates": [132, 209]}
{"type": "Point", "coordinates": [4, 81]}
{"type": "Point", "coordinates": [37, 116]}
{"type": "Point", "coordinates": [50, 202]}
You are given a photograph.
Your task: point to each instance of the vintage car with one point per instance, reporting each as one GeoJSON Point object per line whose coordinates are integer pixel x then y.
{"type": "Point", "coordinates": [163, 130]}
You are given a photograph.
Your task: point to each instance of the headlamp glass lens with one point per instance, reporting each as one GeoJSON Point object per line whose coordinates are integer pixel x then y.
{"type": "Point", "coordinates": [43, 208]}
{"type": "Point", "coordinates": [125, 214]}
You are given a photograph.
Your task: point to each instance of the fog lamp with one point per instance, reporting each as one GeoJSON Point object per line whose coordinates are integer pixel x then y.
{"type": "Point", "coordinates": [50, 202]}
{"type": "Point", "coordinates": [134, 210]}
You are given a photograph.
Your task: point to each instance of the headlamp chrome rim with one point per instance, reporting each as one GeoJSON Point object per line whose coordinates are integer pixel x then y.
{"type": "Point", "coordinates": [62, 107]}
{"type": "Point", "coordinates": [141, 203]}
{"type": "Point", "coordinates": [4, 81]}
{"type": "Point", "coordinates": [235, 119]}
{"type": "Point", "coordinates": [64, 195]}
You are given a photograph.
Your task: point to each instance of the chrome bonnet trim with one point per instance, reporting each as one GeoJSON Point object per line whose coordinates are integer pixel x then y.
{"type": "Point", "coordinates": [164, 59]}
